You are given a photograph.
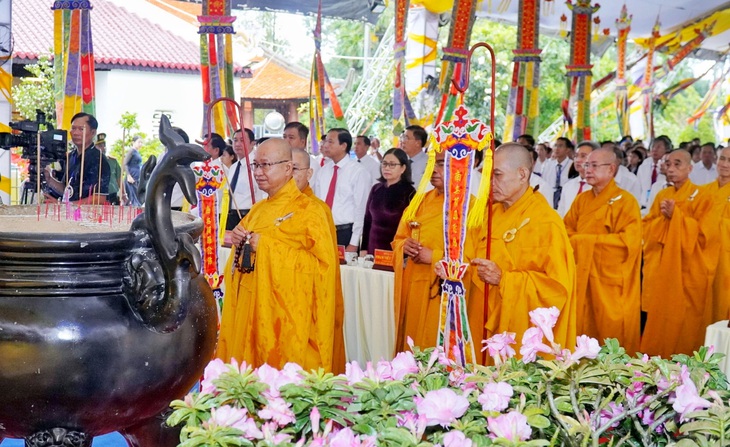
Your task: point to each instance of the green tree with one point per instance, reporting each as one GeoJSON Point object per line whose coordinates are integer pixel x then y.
{"type": "Point", "coordinates": [130, 128]}
{"type": "Point", "coordinates": [36, 92]}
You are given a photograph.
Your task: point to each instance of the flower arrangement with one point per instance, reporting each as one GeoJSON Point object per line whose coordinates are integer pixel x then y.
{"type": "Point", "coordinates": [593, 396]}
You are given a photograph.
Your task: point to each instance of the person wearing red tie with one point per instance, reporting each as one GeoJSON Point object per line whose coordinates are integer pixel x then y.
{"type": "Point", "coordinates": [648, 172]}
{"type": "Point", "coordinates": [578, 184]}
{"type": "Point", "coordinates": [344, 186]}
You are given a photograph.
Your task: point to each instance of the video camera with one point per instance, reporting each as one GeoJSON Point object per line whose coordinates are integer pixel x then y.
{"type": "Point", "coordinates": [53, 144]}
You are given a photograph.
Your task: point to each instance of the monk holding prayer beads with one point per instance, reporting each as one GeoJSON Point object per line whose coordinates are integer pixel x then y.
{"type": "Point", "coordinates": [280, 303]}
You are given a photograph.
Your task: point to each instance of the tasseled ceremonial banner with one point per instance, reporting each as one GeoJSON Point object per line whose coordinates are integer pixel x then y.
{"type": "Point", "coordinates": [523, 102]}
{"type": "Point", "coordinates": [662, 99]}
{"type": "Point", "coordinates": [208, 180]}
{"type": "Point", "coordinates": [723, 115]}
{"type": "Point", "coordinates": [216, 66]}
{"type": "Point", "coordinates": [459, 139]}
{"type": "Point", "coordinates": [318, 86]}
{"type": "Point", "coordinates": [623, 23]}
{"type": "Point", "coordinates": [401, 104]}
{"type": "Point", "coordinates": [709, 99]}
{"type": "Point", "coordinates": [73, 60]}
{"type": "Point", "coordinates": [579, 73]}
{"type": "Point", "coordinates": [647, 85]}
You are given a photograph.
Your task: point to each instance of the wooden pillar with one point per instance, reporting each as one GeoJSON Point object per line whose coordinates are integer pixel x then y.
{"type": "Point", "coordinates": [247, 114]}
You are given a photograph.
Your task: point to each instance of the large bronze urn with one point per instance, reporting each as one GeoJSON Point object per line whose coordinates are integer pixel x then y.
{"type": "Point", "coordinates": [100, 330]}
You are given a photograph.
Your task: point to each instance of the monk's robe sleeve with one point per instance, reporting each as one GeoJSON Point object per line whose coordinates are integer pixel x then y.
{"type": "Point", "coordinates": [297, 267]}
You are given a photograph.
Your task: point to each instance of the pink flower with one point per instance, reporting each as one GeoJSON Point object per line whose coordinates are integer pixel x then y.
{"type": "Point", "coordinates": [687, 399]}
{"type": "Point", "coordinates": [227, 416]}
{"type": "Point", "coordinates": [532, 344]}
{"type": "Point", "coordinates": [404, 363]}
{"type": "Point", "coordinates": [416, 424]}
{"type": "Point", "coordinates": [441, 407]}
{"type": "Point", "coordinates": [496, 396]}
{"type": "Point", "coordinates": [214, 370]}
{"type": "Point", "coordinates": [291, 373]}
{"type": "Point", "coordinates": [511, 426]}
{"type": "Point", "coordinates": [499, 345]}
{"type": "Point", "coordinates": [409, 342]}
{"type": "Point", "coordinates": [278, 411]}
{"type": "Point", "coordinates": [270, 434]}
{"type": "Point", "coordinates": [314, 419]}
{"type": "Point", "coordinates": [456, 438]}
{"type": "Point", "coordinates": [585, 347]}
{"type": "Point", "coordinates": [545, 319]}
{"type": "Point", "coordinates": [609, 413]}
{"type": "Point", "coordinates": [354, 373]}
{"type": "Point", "coordinates": [344, 438]}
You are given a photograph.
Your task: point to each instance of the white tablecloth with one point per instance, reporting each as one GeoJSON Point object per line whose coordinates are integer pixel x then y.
{"type": "Point", "coordinates": [718, 335]}
{"type": "Point", "coordinates": [369, 318]}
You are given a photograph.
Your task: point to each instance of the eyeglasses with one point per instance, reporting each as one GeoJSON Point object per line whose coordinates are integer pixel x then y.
{"type": "Point", "coordinates": [266, 166]}
{"type": "Point", "coordinates": [299, 169]}
{"type": "Point", "coordinates": [595, 165]}
{"type": "Point", "coordinates": [385, 164]}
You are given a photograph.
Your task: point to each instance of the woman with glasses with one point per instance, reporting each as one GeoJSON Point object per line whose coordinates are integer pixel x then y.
{"type": "Point", "coordinates": [387, 201]}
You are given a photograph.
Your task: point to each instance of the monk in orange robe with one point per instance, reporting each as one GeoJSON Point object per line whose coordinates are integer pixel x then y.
{"type": "Point", "coordinates": [719, 190]}
{"type": "Point", "coordinates": [677, 272]}
{"type": "Point", "coordinates": [604, 226]}
{"type": "Point", "coordinates": [417, 247]}
{"type": "Point", "coordinates": [532, 262]}
{"type": "Point", "coordinates": [284, 310]}
{"type": "Point", "coordinates": [302, 174]}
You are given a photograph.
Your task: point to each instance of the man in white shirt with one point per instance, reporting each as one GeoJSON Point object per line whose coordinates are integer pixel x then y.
{"type": "Point", "coordinates": [660, 184]}
{"type": "Point", "coordinates": [624, 178]}
{"type": "Point", "coordinates": [241, 181]}
{"type": "Point", "coordinates": [543, 154]}
{"type": "Point", "coordinates": [648, 172]}
{"type": "Point", "coordinates": [578, 184]}
{"type": "Point", "coordinates": [362, 144]}
{"type": "Point", "coordinates": [344, 185]}
{"type": "Point", "coordinates": [705, 170]}
{"type": "Point", "coordinates": [555, 171]}
{"type": "Point", "coordinates": [413, 141]}
{"type": "Point", "coordinates": [296, 134]}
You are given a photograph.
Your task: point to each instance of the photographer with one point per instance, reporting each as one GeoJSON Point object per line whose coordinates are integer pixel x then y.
{"type": "Point", "coordinates": [86, 159]}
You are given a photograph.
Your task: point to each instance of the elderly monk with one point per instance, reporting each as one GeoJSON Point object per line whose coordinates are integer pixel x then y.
{"type": "Point", "coordinates": [301, 162]}
{"type": "Point", "coordinates": [417, 248]}
{"type": "Point", "coordinates": [531, 262]}
{"type": "Point", "coordinates": [677, 272]}
{"type": "Point", "coordinates": [719, 190]}
{"type": "Point", "coordinates": [604, 226]}
{"type": "Point", "coordinates": [284, 309]}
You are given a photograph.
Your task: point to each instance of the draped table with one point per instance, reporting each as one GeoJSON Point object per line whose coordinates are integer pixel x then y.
{"type": "Point", "coordinates": [718, 335]}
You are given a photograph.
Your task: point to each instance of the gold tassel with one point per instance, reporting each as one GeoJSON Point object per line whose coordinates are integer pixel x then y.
{"type": "Point", "coordinates": [478, 210]}
{"type": "Point", "coordinates": [410, 213]}
{"type": "Point", "coordinates": [225, 205]}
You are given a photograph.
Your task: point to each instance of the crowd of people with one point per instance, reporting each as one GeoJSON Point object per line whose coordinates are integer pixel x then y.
{"type": "Point", "coordinates": [626, 242]}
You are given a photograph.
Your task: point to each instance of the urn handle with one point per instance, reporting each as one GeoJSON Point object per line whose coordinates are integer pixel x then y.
{"type": "Point", "coordinates": [158, 282]}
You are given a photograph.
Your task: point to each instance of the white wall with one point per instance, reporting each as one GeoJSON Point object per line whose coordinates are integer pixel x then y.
{"type": "Point", "coordinates": [5, 17]}
{"type": "Point", "coordinates": [119, 91]}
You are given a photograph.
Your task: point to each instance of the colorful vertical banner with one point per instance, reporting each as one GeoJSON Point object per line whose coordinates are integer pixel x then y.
{"type": "Point", "coordinates": [523, 102]}
{"type": "Point", "coordinates": [401, 104]}
{"type": "Point", "coordinates": [459, 139]}
{"type": "Point", "coordinates": [73, 60]}
{"type": "Point", "coordinates": [421, 56]}
{"type": "Point", "coordinates": [647, 84]}
{"type": "Point", "coordinates": [216, 66]}
{"type": "Point", "coordinates": [579, 74]}
{"type": "Point", "coordinates": [623, 24]}
{"type": "Point", "coordinates": [208, 180]}
{"type": "Point", "coordinates": [6, 81]}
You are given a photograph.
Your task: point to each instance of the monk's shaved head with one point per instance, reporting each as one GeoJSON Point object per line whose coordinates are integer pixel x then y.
{"type": "Point", "coordinates": [301, 159]}
{"type": "Point", "coordinates": [600, 168]}
{"type": "Point", "coordinates": [273, 163]}
{"type": "Point", "coordinates": [517, 155]}
{"type": "Point", "coordinates": [681, 154]}
{"type": "Point", "coordinates": [277, 147]}
{"type": "Point", "coordinates": [678, 167]}
{"type": "Point", "coordinates": [604, 155]}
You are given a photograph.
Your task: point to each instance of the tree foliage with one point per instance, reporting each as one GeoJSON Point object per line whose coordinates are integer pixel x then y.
{"type": "Point", "coordinates": [130, 127]}
{"type": "Point", "coordinates": [36, 92]}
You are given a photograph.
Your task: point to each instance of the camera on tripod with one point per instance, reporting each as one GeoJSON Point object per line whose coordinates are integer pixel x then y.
{"type": "Point", "coordinates": [53, 144]}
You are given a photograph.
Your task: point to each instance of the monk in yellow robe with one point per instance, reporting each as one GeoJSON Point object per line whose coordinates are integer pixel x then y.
{"type": "Point", "coordinates": [302, 174]}
{"type": "Point", "coordinates": [719, 190]}
{"type": "Point", "coordinates": [604, 226]}
{"type": "Point", "coordinates": [532, 262]}
{"type": "Point", "coordinates": [284, 309]}
{"type": "Point", "coordinates": [417, 247]}
{"type": "Point", "coordinates": [677, 272]}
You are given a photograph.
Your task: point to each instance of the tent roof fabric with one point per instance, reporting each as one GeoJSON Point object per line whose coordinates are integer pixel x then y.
{"type": "Point", "coordinates": [149, 48]}
{"type": "Point", "coordinates": [344, 9]}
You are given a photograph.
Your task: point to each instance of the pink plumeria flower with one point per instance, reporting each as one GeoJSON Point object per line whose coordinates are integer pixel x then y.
{"type": "Point", "coordinates": [532, 344]}
{"type": "Point", "coordinates": [511, 426]}
{"type": "Point", "coordinates": [314, 418]}
{"type": "Point", "coordinates": [403, 364]}
{"type": "Point", "coordinates": [456, 438]}
{"type": "Point", "coordinates": [585, 347]}
{"type": "Point", "coordinates": [344, 438]}
{"type": "Point", "coordinates": [415, 423]}
{"type": "Point", "coordinates": [251, 430]}
{"type": "Point", "coordinates": [354, 373]}
{"type": "Point", "coordinates": [270, 434]}
{"type": "Point", "coordinates": [227, 416]}
{"type": "Point", "coordinates": [214, 370]}
{"type": "Point", "coordinates": [278, 411]}
{"type": "Point", "coordinates": [291, 374]}
{"type": "Point", "coordinates": [498, 346]}
{"type": "Point", "coordinates": [687, 398]}
{"type": "Point", "coordinates": [441, 407]}
{"type": "Point", "coordinates": [496, 396]}
{"type": "Point", "coordinates": [545, 319]}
